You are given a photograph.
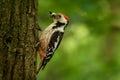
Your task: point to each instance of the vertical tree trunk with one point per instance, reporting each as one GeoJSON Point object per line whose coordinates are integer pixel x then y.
{"type": "Point", "coordinates": [18, 36]}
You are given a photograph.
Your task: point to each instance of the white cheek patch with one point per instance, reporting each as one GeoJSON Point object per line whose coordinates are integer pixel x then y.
{"type": "Point", "coordinates": [63, 20]}
{"type": "Point", "coordinates": [61, 29]}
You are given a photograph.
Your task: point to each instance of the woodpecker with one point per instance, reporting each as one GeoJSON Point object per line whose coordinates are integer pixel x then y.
{"type": "Point", "coordinates": [51, 38]}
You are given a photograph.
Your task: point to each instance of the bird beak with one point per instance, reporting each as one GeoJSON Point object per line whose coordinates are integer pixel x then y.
{"type": "Point", "coordinates": [52, 14]}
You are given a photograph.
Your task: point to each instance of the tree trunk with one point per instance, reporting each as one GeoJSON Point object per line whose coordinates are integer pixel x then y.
{"type": "Point", "coordinates": [18, 36]}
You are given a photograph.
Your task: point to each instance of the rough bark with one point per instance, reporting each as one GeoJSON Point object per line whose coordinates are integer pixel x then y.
{"type": "Point", "coordinates": [18, 36]}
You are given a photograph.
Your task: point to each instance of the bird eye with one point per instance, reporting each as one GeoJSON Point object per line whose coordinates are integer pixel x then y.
{"type": "Point", "coordinates": [59, 16]}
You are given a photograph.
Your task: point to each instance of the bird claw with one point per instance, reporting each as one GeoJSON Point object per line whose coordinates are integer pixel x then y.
{"type": "Point", "coordinates": [38, 28]}
{"type": "Point", "coordinates": [37, 45]}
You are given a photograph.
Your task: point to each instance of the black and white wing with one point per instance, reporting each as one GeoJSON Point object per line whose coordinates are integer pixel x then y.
{"type": "Point", "coordinates": [52, 46]}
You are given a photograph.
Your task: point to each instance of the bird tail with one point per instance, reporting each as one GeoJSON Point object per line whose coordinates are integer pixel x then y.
{"type": "Point", "coordinates": [38, 68]}
{"type": "Point", "coordinates": [41, 66]}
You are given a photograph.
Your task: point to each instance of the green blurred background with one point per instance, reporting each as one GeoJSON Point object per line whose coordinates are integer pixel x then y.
{"type": "Point", "coordinates": [90, 49]}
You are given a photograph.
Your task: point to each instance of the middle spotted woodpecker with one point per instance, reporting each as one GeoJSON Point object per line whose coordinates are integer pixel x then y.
{"type": "Point", "coordinates": [51, 38]}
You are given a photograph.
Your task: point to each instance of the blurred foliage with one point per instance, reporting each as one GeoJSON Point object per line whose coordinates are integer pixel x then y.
{"type": "Point", "coordinates": [90, 49]}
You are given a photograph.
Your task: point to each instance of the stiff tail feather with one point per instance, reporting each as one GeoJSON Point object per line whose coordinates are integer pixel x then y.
{"type": "Point", "coordinates": [41, 66]}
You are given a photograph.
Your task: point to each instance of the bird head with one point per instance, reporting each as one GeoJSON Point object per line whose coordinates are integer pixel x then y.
{"type": "Point", "coordinates": [59, 17]}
